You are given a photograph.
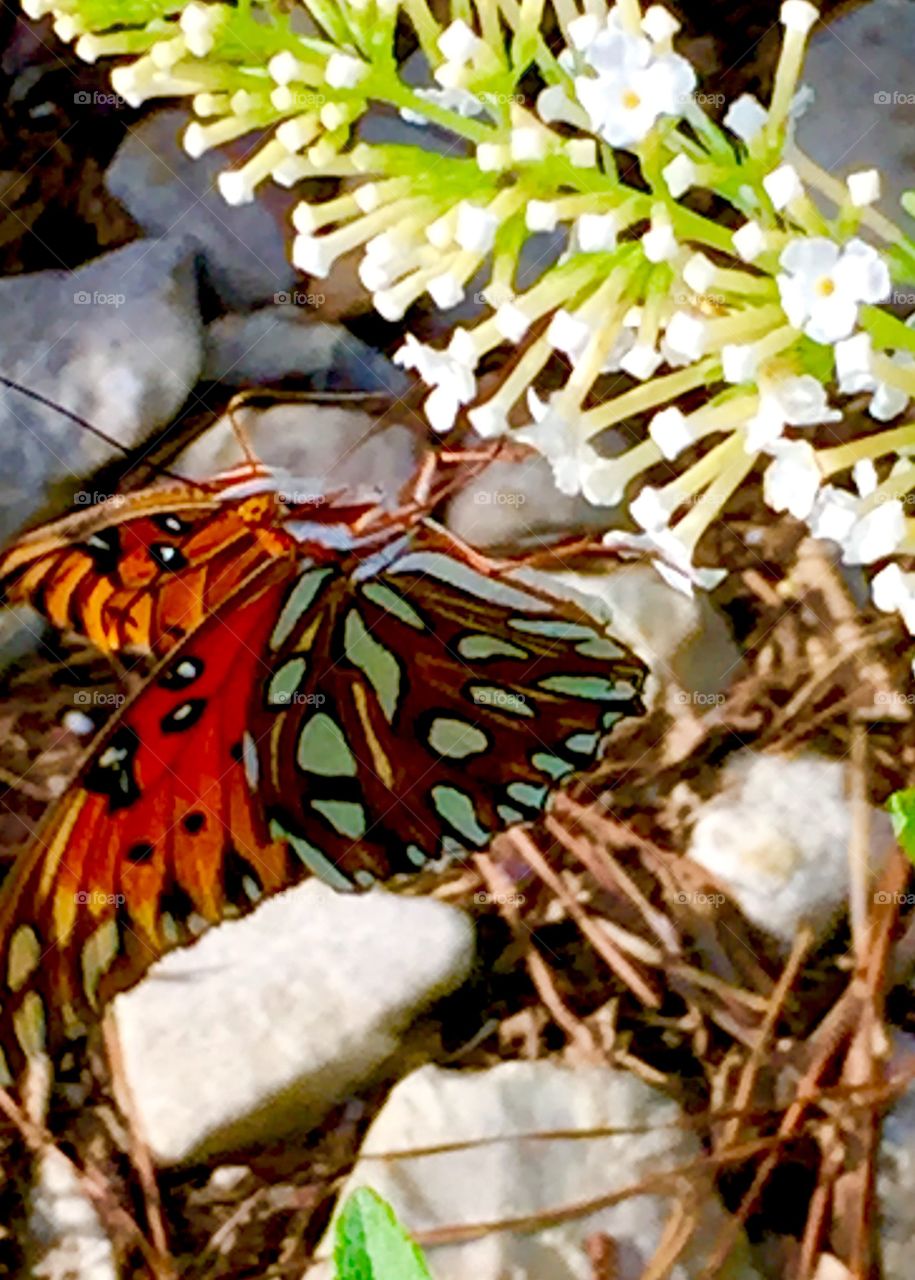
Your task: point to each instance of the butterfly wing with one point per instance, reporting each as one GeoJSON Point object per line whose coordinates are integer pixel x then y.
{"type": "Point", "coordinates": [417, 703]}
{"type": "Point", "coordinates": [160, 835]}
{"type": "Point", "coordinates": [142, 571]}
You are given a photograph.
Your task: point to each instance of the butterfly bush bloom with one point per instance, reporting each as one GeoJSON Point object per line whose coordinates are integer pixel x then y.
{"type": "Point", "coordinates": [712, 297]}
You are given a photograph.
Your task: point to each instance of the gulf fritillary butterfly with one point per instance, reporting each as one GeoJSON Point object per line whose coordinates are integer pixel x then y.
{"type": "Point", "coordinates": [338, 692]}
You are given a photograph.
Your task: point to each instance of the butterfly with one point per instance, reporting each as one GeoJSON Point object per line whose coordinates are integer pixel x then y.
{"type": "Point", "coordinates": [337, 691]}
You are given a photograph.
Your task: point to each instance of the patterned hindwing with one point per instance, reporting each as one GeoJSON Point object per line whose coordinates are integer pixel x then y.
{"type": "Point", "coordinates": [417, 704]}
{"type": "Point", "coordinates": [141, 572]}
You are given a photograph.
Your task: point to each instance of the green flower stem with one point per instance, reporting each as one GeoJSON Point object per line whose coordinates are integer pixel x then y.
{"type": "Point", "coordinates": [886, 331]}
{"type": "Point", "coordinates": [836, 191]}
{"type": "Point", "coordinates": [649, 395]}
{"type": "Point", "coordinates": [426, 26]}
{"type": "Point", "coordinates": [844, 456]}
{"type": "Point", "coordinates": [389, 89]}
{"type": "Point", "coordinates": [895, 375]}
{"type": "Point", "coordinates": [732, 465]}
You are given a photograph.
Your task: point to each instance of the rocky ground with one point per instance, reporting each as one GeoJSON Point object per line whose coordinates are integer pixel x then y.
{"type": "Point", "coordinates": [640, 1039]}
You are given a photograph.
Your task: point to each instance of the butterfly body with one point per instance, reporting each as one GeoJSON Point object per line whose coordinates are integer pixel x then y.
{"type": "Point", "coordinates": [337, 692]}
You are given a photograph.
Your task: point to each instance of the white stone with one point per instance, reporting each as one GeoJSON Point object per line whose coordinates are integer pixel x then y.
{"type": "Point", "coordinates": [684, 640]}
{"type": "Point", "coordinates": [777, 837]}
{"type": "Point", "coordinates": [264, 1024]}
{"type": "Point", "coordinates": [497, 1171]}
{"type": "Point", "coordinates": [65, 1228]}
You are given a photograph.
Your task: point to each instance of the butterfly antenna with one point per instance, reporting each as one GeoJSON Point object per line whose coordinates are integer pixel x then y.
{"type": "Point", "coordinates": [238, 402]}
{"type": "Point", "coordinates": [67, 413]}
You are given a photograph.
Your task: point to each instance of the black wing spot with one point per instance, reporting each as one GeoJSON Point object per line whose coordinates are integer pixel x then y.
{"type": "Point", "coordinates": [111, 773]}
{"type": "Point", "coordinates": [235, 870]}
{"type": "Point", "coordinates": [177, 902]}
{"type": "Point", "coordinates": [184, 671]}
{"type": "Point", "coordinates": [184, 716]}
{"type": "Point", "coordinates": [141, 852]}
{"type": "Point", "coordinates": [104, 549]}
{"type": "Point", "coordinates": [194, 822]}
{"type": "Point", "coordinates": [168, 557]}
{"type": "Point", "coordinates": [236, 752]}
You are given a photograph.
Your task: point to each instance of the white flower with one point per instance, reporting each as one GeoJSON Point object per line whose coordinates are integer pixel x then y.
{"type": "Point", "coordinates": [676, 567]}
{"type": "Point", "coordinates": [783, 185]}
{"type": "Point", "coordinates": [343, 71]}
{"type": "Point", "coordinates": [792, 402]}
{"type": "Point", "coordinates": [613, 361]}
{"type": "Point", "coordinates": [458, 43]}
{"type": "Point", "coordinates": [596, 232]}
{"type": "Point", "coordinates": [864, 475]}
{"type": "Point", "coordinates": [555, 437]}
{"type": "Point", "coordinates": [541, 215]}
{"type": "Point", "coordinates": [749, 241]}
{"type": "Point", "coordinates": [461, 101]}
{"type": "Point", "coordinates": [568, 334]}
{"type": "Point", "coordinates": [863, 187]}
{"type": "Point", "coordinates": [641, 361]}
{"type": "Point", "coordinates": [680, 174]}
{"type": "Point", "coordinates": [686, 336]}
{"type": "Point", "coordinates": [834, 514]}
{"type": "Point", "coordinates": [876, 534]}
{"type": "Point", "coordinates": [746, 117]}
{"type": "Point", "coordinates": [476, 227]}
{"type": "Point", "coordinates": [670, 431]}
{"type": "Point", "coordinates": [822, 286]}
{"type": "Point", "coordinates": [448, 372]}
{"type": "Point", "coordinates": [853, 368]}
{"type": "Point", "coordinates": [633, 87]}
{"type": "Point", "coordinates": [792, 478]}
{"type": "Point", "coordinates": [652, 509]}
{"type": "Point", "coordinates": [894, 590]}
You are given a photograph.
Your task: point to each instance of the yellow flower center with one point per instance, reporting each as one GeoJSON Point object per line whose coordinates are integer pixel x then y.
{"type": "Point", "coordinates": [631, 100]}
{"type": "Point", "coordinates": [826, 286]}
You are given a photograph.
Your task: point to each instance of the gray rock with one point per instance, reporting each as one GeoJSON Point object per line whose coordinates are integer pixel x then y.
{"type": "Point", "coordinates": [515, 506]}
{"type": "Point", "coordinates": [67, 1236]}
{"type": "Point", "coordinates": [313, 449]}
{"type": "Point", "coordinates": [495, 1170]}
{"type": "Point", "coordinates": [860, 68]}
{"type": "Point", "coordinates": [283, 341]}
{"type": "Point", "coordinates": [245, 249]}
{"type": "Point", "coordinates": [777, 837]}
{"type": "Point", "coordinates": [266, 1023]}
{"type": "Point", "coordinates": [119, 342]}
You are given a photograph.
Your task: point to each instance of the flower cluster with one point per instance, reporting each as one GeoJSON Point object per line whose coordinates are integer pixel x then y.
{"type": "Point", "coordinates": [698, 347]}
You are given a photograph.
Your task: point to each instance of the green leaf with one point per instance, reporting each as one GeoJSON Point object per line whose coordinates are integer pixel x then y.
{"type": "Point", "coordinates": [907, 200]}
{"type": "Point", "coordinates": [372, 1245]}
{"type": "Point", "coordinates": [901, 806]}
